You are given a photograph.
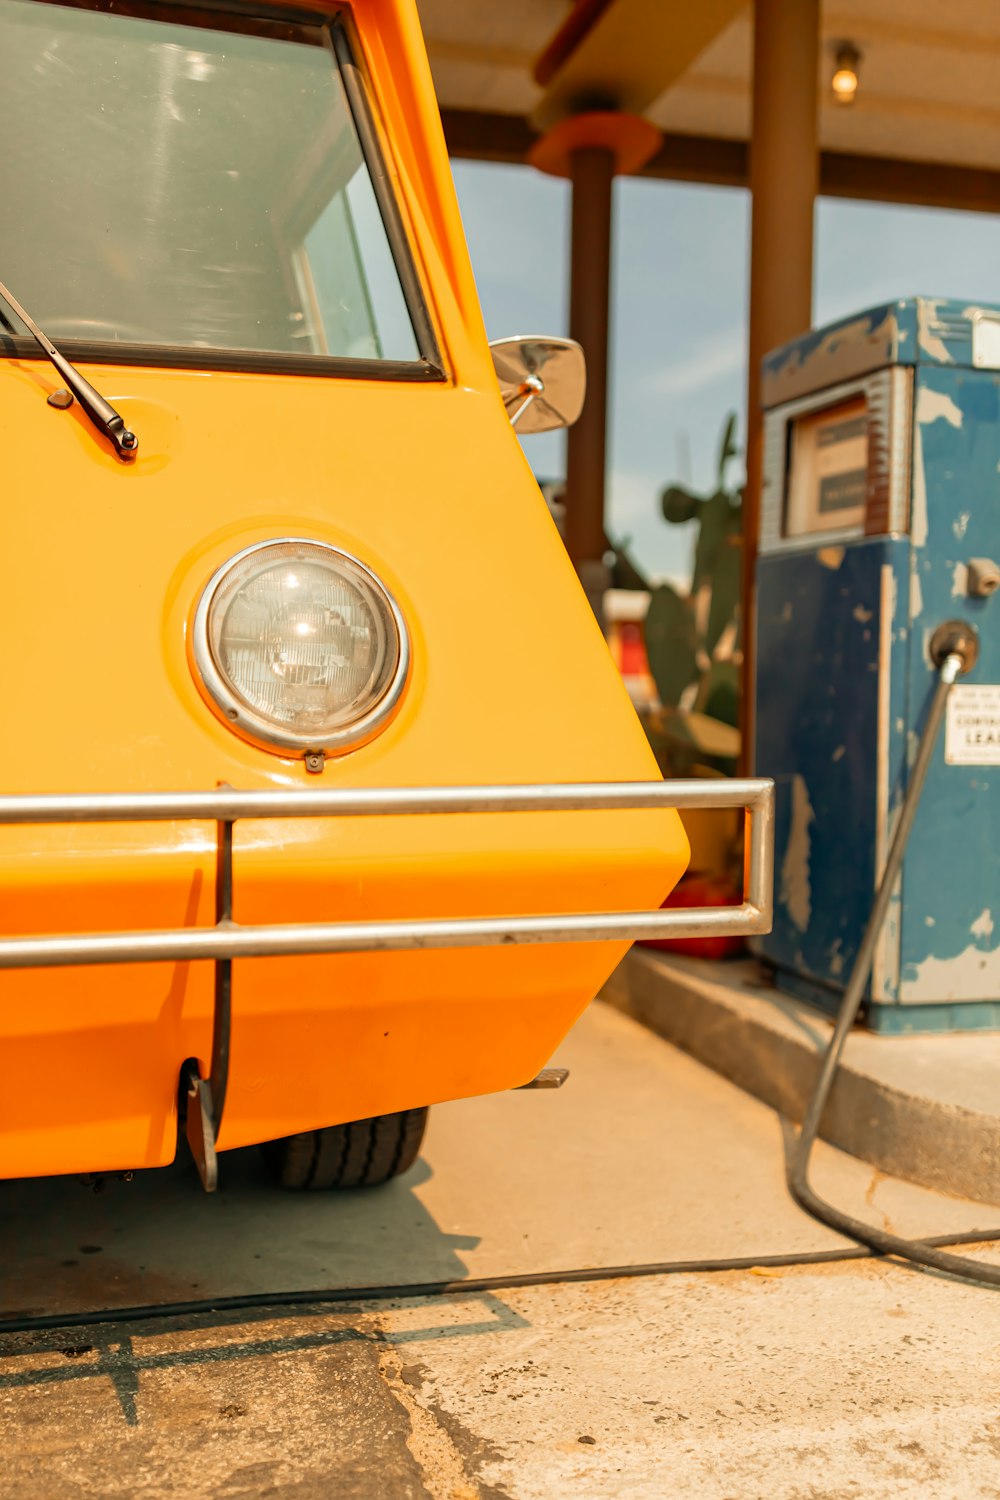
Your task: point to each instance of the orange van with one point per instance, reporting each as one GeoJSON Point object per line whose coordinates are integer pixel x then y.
{"type": "Point", "coordinates": [299, 830]}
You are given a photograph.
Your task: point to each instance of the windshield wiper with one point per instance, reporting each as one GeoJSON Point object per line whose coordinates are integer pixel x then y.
{"type": "Point", "coordinates": [100, 414]}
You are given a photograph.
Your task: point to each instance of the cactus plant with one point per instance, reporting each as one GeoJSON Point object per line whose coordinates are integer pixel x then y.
{"type": "Point", "coordinates": [692, 641]}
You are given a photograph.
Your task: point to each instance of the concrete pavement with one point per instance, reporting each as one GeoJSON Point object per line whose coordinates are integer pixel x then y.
{"type": "Point", "coordinates": [923, 1107]}
{"type": "Point", "coordinates": [850, 1380]}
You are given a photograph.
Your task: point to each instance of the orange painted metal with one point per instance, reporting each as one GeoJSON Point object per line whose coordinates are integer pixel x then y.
{"type": "Point", "coordinates": [631, 140]}
{"type": "Point", "coordinates": [511, 682]}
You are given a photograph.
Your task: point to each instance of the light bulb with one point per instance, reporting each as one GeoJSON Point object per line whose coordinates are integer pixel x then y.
{"type": "Point", "coordinates": [845, 79]}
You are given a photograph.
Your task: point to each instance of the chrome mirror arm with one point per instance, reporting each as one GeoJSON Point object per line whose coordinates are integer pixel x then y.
{"type": "Point", "coordinates": [533, 386]}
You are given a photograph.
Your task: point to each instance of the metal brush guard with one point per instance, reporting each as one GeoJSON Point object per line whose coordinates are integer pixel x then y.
{"type": "Point", "coordinates": [227, 940]}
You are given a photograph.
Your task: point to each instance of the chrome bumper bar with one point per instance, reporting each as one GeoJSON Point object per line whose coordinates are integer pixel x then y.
{"type": "Point", "coordinates": [228, 940]}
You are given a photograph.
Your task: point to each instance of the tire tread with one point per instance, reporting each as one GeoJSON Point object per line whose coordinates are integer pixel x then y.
{"type": "Point", "coordinates": [359, 1153]}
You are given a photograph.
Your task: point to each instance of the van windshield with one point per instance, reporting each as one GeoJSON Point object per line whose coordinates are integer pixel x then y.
{"type": "Point", "coordinates": [197, 185]}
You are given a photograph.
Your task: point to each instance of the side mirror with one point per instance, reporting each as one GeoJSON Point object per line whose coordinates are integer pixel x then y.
{"type": "Point", "coordinates": [542, 381]}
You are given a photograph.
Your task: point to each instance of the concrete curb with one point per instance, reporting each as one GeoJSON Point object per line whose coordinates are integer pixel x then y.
{"type": "Point", "coordinates": [924, 1108]}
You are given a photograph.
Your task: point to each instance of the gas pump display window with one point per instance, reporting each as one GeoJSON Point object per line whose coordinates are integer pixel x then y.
{"type": "Point", "coordinates": [198, 182]}
{"type": "Point", "coordinates": [827, 486]}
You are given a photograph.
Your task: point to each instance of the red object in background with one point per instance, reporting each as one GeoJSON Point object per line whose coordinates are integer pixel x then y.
{"type": "Point", "coordinates": [632, 647]}
{"type": "Point", "coordinates": [701, 890]}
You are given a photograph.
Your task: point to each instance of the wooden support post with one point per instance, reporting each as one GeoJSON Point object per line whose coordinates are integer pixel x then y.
{"type": "Point", "coordinates": [784, 179]}
{"type": "Point", "coordinates": [592, 174]}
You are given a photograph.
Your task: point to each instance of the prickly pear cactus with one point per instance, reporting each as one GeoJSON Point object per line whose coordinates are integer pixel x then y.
{"type": "Point", "coordinates": [692, 641]}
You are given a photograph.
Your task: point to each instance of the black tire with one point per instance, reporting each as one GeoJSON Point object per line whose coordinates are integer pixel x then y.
{"type": "Point", "coordinates": [362, 1153]}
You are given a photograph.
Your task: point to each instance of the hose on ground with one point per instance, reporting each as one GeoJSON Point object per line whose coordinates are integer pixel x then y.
{"type": "Point", "coordinates": [320, 1300]}
{"type": "Point", "coordinates": [924, 1252]}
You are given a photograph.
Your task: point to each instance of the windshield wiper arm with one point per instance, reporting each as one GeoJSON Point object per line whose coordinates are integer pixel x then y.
{"type": "Point", "coordinates": [99, 412]}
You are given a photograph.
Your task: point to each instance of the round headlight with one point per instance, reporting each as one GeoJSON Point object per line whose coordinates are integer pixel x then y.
{"type": "Point", "coordinates": [300, 646]}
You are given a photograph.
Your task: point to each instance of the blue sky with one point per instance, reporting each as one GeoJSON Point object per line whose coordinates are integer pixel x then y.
{"type": "Point", "coordinates": [679, 310]}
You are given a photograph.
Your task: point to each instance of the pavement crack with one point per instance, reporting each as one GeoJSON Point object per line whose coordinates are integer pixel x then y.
{"type": "Point", "coordinates": [877, 1179]}
{"type": "Point", "coordinates": [444, 1468]}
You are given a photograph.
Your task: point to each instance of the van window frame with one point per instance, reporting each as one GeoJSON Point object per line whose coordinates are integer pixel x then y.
{"type": "Point", "coordinates": [333, 31]}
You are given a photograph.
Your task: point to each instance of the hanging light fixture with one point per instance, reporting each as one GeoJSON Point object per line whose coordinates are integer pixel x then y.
{"type": "Point", "coordinates": [845, 78]}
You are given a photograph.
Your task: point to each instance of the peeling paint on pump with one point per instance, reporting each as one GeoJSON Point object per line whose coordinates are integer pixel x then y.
{"type": "Point", "coordinates": [845, 619]}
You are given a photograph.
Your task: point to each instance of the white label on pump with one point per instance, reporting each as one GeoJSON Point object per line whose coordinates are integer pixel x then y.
{"type": "Point", "coordinates": [972, 734]}
{"type": "Point", "coordinates": [986, 341]}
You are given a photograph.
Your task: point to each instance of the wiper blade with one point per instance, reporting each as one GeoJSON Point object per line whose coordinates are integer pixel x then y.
{"type": "Point", "coordinates": [100, 413]}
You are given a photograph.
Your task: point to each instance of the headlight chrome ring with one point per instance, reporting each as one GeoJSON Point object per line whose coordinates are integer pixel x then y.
{"type": "Point", "coordinates": [300, 648]}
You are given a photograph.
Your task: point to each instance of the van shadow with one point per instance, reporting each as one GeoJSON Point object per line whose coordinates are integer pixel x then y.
{"type": "Point", "coordinates": [160, 1239]}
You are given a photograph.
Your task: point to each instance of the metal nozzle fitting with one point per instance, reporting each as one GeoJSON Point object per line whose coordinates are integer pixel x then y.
{"type": "Point", "coordinates": [955, 638]}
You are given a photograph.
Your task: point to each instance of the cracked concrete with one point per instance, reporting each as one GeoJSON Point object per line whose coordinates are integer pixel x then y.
{"type": "Point", "coordinates": [846, 1382]}
{"type": "Point", "coordinates": [254, 1409]}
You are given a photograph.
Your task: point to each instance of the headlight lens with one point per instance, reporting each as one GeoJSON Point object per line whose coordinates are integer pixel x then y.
{"type": "Point", "coordinates": [301, 646]}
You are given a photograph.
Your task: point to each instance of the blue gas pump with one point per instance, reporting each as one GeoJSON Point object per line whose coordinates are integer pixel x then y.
{"type": "Point", "coordinates": [880, 522]}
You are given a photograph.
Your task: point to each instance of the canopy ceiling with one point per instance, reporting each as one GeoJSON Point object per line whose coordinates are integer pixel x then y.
{"type": "Point", "coordinates": [928, 95]}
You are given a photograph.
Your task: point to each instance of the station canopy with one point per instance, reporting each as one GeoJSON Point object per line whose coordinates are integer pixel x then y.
{"type": "Point", "coordinates": [924, 126]}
